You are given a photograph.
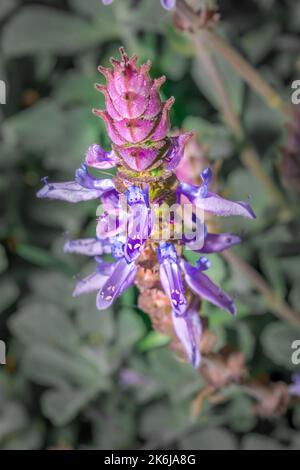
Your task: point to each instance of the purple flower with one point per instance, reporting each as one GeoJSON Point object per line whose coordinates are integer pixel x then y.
{"type": "Point", "coordinates": [145, 158]}
{"type": "Point", "coordinates": [170, 277]}
{"type": "Point", "coordinates": [211, 202]}
{"type": "Point", "coordinates": [96, 157]}
{"type": "Point", "coordinates": [294, 388]}
{"type": "Point", "coordinates": [188, 330]}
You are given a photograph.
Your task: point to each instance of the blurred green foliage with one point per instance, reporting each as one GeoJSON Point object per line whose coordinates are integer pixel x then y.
{"type": "Point", "coordinates": [80, 378]}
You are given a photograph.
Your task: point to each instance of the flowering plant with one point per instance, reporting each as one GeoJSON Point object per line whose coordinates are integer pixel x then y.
{"type": "Point", "coordinates": [146, 158]}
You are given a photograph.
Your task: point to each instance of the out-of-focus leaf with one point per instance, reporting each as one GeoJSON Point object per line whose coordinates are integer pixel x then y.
{"type": "Point", "coordinates": [80, 130]}
{"type": "Point", "coordinates": [114, 428]}
{"type": "Point", "coordinates": [209, 439]}
{"type": "Point", "coordinates": [271, 268]}
{"type": "Point", "coordinates": [6, 7]}
{"type": "Point", "coordinates": [259, 43]}
{"type": "Point", "coordinates": [36, 128]}
{"type": "Point", "coordinates": [97, 326]}
{"type": "Point", "coordinates": [260, 442]}
{"type": "Point", "coordinates": [173, 64]}
{"type": "Point", "coordinates": [62, 405]}
{"type": "Point", "coordinates": [47, 366]}
{"type": "Point", "coordinates": [3, 260]}
{"type": "Point", "coordinates": [294, 298]}
{"type": "Point", "coordinates": [178, 379]}
{"type": "Point", "coordinates": [276, 340]}
{"type": "Point", "coordinates": [295, 17]}
{"type": "Point", "coordinates": [43, 323]}
{"type": "Point", "coordinates": [29, 438]}
{"type": "Point", "coordinates": [216, 137]}
{"type": "Point", "coordinates": [153, 340]}
{"type": "Point", "coordinates": [232, 83]}
{"type": "Point", "coordinates": [63, 33]}
{"type": "Point", "coordinates": [9, 293]}
{"type": "Point", "coordinates": [240, 414]}
{"type": "Point", "coordinates": [131, 328]}
{"type": "Point", "coordinates": [75, 88]}
{"type": "Point", "coordinates": [38, 256]}
{"type": "Point", "coordinates": [162, 424]}
{"type": "Point", "coordinates": [263, 121]}
{"type": "Point", "coordinates": [13, 418]}
{"type": "Point", "coordinates": [246, 340]}
{"type": "Point", "coordinates": [179, 42]}
{"type": "Point", "coordinates": [45, 284]}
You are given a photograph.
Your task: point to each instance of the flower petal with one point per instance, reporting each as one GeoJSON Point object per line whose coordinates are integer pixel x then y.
{"type": "Point", "coordinates": [96, 157]}
{"type": "Point", "coordinates": [201, 285]}
{"type": "Point", "coordinates": [70, 191]}
{"type": "Point", "coordinates": [170, 277]}
{"type": "Point", "coordinates": [121, 278]}
{"type": "Point", "coordinates": [94, 281]}
{"type": "Point", "coordinates": [85, 179]}
{"type": "Point", "coordinates": [139, 224]}
{"type": "Point", "coordinates": [176, 150]}
{"type": "Point", "coordinates": [188, 330]}
{"type": "Point", "coordinates": [214, 203]}
{"type": "Point", "coordinates": [214, 243]}
{"type": "Point", "coordinates": [167, 4]}
{"type": "Point", "coordinates": [88, 247]}
{"type": "Point", "coordinates": [139, 229]}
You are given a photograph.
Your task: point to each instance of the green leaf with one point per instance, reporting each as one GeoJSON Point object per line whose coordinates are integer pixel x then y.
{"type": "Point", "coordinates": [45, 283]}
{"type": "Point", "coordinates": [162, 422]}
{"type": "Point", "coordinates": [9, 293]}
{"type": "Point", "coordinates": [76, 88]}
{"type": "Point", "coordinates": [180, 380]}
{"type": "Point", "coordinates": [6, 7]}
{"type": "Point", "coordinates": [62, 405]}
{"type": "Point", "coordinates": [131, 329]}
{"type": "Point", "coordinates": [30, 128]}
{"type": "Point", "coordinates": [216, 137]}
{"type": "Point", "coordinates": [260, 442]}
{"type": "Point", "coordinates": [97, 326]}
{"type": "Point", "coordinates": [153, 340]}
{"type": "Point", "coordinates": [42, 323]}
{"type": "Point", "coordinates": [276, 340]}
{"type": "Point", "coordinates": [80, 130]}
{"type": "Point", "coordinates": [53, 367]}
{"type": "Point", "coordinates": [38, 256]}
{"type": "Point", "coordinates": [209, 439]}
{"type": "Point", "coordinates": [13, 418]}
{"type": "Point", "coordinates": [240, 414]}
{"type": "Point", "coordinates": [231, 81]}
{"type": "Point", "coordinates": [260, 41]}
{"type": "Point", "coordinates": [3, 260]}
{"type": "Point", "coordinates": [61, 33]}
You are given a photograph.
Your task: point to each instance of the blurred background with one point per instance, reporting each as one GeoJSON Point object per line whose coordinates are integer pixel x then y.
{"type": "Point", "coordinates": [78, 378]}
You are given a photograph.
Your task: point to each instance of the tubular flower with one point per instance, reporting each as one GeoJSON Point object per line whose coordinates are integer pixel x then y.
{"type": "Point", "coordinates": [129, 229]}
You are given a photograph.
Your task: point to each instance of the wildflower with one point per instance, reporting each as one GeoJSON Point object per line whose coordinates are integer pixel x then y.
{"type": "Point", "coordinates": [145, 158]}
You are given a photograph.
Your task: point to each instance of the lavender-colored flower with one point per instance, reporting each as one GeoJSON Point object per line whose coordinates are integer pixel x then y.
{"type": "Point", "coordinates": [145, 158]}
{"type": "Point", "coordinates": [166, 4]}
{"type": "Point", "coordinates": [294, 388]}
